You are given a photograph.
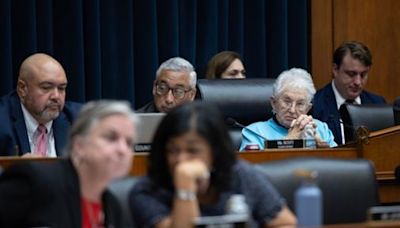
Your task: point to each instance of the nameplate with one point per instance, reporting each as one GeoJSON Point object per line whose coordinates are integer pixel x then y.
{"type": "Point", "coordinates": [142, 147]}
{"type": "Point", "coordinates": [384, 213]}
{"type": "Point", "coordinates": [289, 143]}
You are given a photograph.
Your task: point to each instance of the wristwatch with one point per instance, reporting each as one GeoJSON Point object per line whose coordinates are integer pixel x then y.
{"type": "Point", "coordinates": [184, 194]}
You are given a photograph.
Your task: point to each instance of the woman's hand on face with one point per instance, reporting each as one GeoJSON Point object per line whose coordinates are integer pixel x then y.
{"type": "Point", "coordinates": [297, 126]}
{"type": "Point", "coordinates": [192, 175]}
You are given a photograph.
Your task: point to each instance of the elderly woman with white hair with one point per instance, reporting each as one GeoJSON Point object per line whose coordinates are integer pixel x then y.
{"type": "Point", "coordinates": [293, 92]}
{"type": "Point", "coordinates": [72, 192]}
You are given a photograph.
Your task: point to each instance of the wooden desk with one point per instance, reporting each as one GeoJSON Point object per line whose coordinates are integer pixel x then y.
{"type": "Point", "coordinates": [389, 190]}
{"type": "Point", "coordinates": [365, 225]}
{"type": "Point", "coordinates": [140, 160]}
{"type": "Point", "coordinates": [381, 147]}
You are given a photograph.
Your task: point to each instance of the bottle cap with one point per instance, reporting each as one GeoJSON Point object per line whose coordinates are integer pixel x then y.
{"type": "Point", "coordinates": [306, 174]}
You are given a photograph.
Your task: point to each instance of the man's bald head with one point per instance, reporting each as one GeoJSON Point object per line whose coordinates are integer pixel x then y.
{"type": "Point", "coordinates": [37, 63]}
{"type": "Point", "coordinates": [41, 86]}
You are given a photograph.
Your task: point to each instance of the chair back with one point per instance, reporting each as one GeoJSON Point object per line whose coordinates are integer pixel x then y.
{"type": "Point", "coordinates": [348, 187]}
{"type": "Point", "coordinates": [244, 100]}
{"type": "Point", "coordinates": [373, 116]}
{"type": "Point", "coordinates": [121, 189]}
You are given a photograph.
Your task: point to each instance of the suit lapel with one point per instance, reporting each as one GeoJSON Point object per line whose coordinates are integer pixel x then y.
{"type": "Point", "coordinates": [365, 99]}
{"type": "Point", "coordinates": [334, 116]}
{"type": "Point", "coordinates": [60, 129]}
{"type": "Point", "coordinates": [19, 126]}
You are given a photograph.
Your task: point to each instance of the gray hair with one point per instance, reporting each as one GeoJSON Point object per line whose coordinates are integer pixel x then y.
{"type": "Point", "coordinates": [294, 79]}
{"type": "Point", "coordinates": [180, 65]}
{"type": "Point", "coordinates": [93, 112]}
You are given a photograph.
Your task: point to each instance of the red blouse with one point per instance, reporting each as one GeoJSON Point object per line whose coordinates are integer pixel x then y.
{"type": "Point", "coordinates": [92, 214]}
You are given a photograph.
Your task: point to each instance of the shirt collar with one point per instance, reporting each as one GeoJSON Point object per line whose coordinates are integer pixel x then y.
{"type": "Point", "coordinates": [339, 99]}
{"type": "Point", "coordinates": [31, 123]}
{"type": "Point", "coordinates": [277, 122]}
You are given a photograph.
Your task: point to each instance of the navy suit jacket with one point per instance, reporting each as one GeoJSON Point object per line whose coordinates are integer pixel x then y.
{"type": "Point", "coordinates": [47, 195]}
{"type": "Point", "coordinates": [14, 139]}
{"type": "Point", "coordinates": [325, 108]}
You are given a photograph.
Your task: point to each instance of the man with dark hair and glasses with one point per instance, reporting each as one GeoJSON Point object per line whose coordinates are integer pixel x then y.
{"type": "Point", "coordinates": [175, 84]}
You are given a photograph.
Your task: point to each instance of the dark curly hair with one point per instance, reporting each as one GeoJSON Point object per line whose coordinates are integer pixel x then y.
{"type": "Point", "coordinates": [210, 125]}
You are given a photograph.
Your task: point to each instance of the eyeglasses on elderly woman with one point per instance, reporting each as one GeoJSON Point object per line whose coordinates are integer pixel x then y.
{"type": "Point", "coordinates": [299, 105]}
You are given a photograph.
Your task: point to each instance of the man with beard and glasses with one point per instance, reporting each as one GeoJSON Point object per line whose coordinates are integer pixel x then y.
{"type": "Point", "coordinates": [35, 118]}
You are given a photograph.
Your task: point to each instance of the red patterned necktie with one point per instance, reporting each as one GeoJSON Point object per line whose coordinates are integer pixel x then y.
{"type": "Point", "coordinates": [42, 140]}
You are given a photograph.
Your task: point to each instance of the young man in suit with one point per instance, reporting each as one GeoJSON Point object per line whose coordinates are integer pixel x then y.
{"type": "Point", "coordinates": [35, 118]}
{"type": "Point", "coordinates": [351, 64]}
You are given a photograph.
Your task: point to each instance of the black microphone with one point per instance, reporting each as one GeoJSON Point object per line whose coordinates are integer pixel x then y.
{"type": "Point", "coordinates": [349, 136]}
{"type": "Point", "coordinates": [397, 173]}
{"type": "Point", "coordinates": [333, 117]}
{"type": "Point", "coordinates": [396, 111]}
{"type": "Point", "coordinates": [232, 122]}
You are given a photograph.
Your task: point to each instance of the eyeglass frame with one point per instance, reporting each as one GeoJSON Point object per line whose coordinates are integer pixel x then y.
{"type": "Point", "coordinates": [288, 105]}
{"type": "Point", "coordinates": [174, 90]}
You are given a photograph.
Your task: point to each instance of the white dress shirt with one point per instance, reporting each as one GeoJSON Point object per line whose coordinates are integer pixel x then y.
{"type": "Point", "coordinates": [31, 128]}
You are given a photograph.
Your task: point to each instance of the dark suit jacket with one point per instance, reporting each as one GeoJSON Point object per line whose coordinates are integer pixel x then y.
{"type": "Point", "coordinates": [13, 134]}
{"type": "Point", "coordinates": [325, 108]}
{"type": "Point", "coordinates": [47, 194]}
{"type": "Point", "coordinates": [148, 108]}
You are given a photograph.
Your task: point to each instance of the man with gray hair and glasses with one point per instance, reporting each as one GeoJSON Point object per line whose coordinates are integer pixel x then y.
{"type": "Point", "coordinates": [175, 84]}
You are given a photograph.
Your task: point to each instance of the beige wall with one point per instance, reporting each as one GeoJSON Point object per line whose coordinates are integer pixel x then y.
{"type": "Point", "coordinates": [376, 23]}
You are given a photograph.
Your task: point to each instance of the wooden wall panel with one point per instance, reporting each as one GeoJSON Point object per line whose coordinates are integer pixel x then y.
{"type": "Point", "coordinates": [321, 41]}
{"type": "Point", "coordinates": [373, 22]}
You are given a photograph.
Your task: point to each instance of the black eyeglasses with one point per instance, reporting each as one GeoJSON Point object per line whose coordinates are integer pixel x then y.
{"type": "Point", "coordinates": [178, 92]}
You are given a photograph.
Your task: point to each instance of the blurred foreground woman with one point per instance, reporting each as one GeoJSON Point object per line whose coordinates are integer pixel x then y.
{"type": "Point", "coordinates": [193, 172]}
{"type": "Point", "coordinates": [72, 192]}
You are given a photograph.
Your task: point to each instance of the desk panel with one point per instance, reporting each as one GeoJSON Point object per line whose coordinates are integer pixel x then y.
{"type": "Point", "coordinates": [388, 188]}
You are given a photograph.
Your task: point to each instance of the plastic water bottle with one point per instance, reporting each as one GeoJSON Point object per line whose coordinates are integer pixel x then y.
{"type": "Point", "coordinates": [308, 200]}
{"type": "Point", "coordinates": [309, 136]}
{"type": "Point", "coordinates": [236, 206]}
